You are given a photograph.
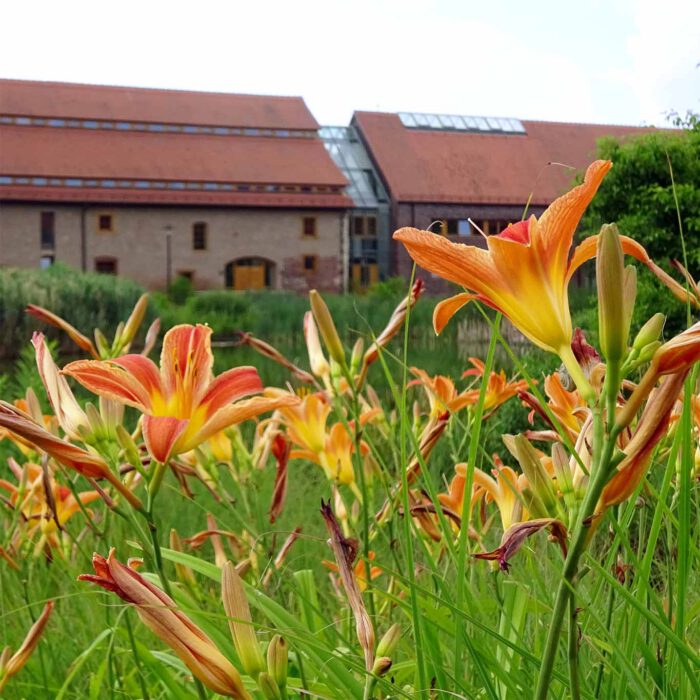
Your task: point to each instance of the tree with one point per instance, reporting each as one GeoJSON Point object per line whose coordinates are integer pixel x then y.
{"type": "Point", "coordinates": [638, 194]}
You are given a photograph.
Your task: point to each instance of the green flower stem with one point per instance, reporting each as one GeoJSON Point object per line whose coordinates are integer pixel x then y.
{"type": "Point", "coordinates": [574, 680]}
{"type": "Point", "coordinates": [599, 478]}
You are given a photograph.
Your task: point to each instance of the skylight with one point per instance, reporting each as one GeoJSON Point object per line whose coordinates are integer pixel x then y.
{"type": "Point", "coordinates": [455, 122]}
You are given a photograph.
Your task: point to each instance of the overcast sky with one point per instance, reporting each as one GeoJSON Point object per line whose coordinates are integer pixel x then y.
{"type": "Point", "coordinates": [614, 61]}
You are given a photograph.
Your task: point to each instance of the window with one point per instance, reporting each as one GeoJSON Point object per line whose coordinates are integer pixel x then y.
{"type": "Point", "coordinates": [309, 226]}
{"type": "Point", "coordinates": [187, 274]}
{"type": "Point", "coordinates": [310, 263]}
{"type": "Point", "coordinates": [106, 266]}
{"type": "Point", "coordinates": [371, 225]}
{"type": "Point", "coordinates": [104, 223]}
{"type": "Point", "coordinates": [46, 261]}
{"type": "Point", "coordinates": [48, 237]}
{"type": "Point", "coordinates": [358, 226]}
{"type": "Point", "coordinates": [199, 236]}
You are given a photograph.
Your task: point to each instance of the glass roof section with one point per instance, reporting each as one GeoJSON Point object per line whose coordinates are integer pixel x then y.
{"type": "Point", "coordinates": [348, 154]}
{"type": "Point", "coordinates": [455, 122]}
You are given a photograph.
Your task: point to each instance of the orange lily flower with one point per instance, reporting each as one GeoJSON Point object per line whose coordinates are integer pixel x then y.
{"type": "Point", "coordinates": [441, 392]}
{"type": "Point", "coordinates": [359, 570]}
{"type": "Point", "coordinates": [183, 404]}
{"type": "Point", "coordinates": [43, 513]}
{"type": "Point", "coordinates": [160, 613]}
{"type": "Point", "coordinates": [525, 271]}
{"type": "Point", "coordinates": [498, 388]}
{"type": "Point", "coordinates": [503, 488]}
{"type": "Point", "coordinates": [331, 448]}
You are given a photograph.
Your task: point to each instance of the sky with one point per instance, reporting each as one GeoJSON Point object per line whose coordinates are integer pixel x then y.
{"type": "Point", "coordinates": [614, 61]}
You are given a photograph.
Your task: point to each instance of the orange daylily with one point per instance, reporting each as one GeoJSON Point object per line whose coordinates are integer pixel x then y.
{"type": "Point", "coordinates": [503, 488]}
{"type": "Point", "coordinates": [498, 388]}
{"type": "Point", "coordinates": [183, 404]}
{"type": "Point", "coordinates": [525, 271]}
{"type": "Point", "coordinates": [331, 448]}
{"type": "Point", "coordinates": [44, 513]}
{"type": "Point", "coordinates": [441, 392]}
{"type": "Point", "coordinates": [359, 570]}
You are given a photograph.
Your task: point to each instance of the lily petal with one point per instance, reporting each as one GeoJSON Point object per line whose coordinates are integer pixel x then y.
{"type": "Point", "coordinates": [105, 378]}
{"type": "Point", "coordinates": [160, 434]}
{"type": "Point", "coordinates": [230, 386]}
{"type": "Point", "coordinates": [235, 413]}
{"type": "Point", "coordinates": [186, 360]}
{"type": "Point", "coordinates": [447, 308]}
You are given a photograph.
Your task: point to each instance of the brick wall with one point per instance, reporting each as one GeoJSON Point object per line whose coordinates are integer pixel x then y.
{"type": "Point", "coordinates": [138, 242]}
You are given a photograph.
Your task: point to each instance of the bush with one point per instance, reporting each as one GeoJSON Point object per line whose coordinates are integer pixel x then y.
{"type": "Point", "coordinates": [87, 300]}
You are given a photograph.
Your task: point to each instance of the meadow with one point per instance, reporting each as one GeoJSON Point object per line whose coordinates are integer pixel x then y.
{"type": "Point", "coordinates": [505, 510]}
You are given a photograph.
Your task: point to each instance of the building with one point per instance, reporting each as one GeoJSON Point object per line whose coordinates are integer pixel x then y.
{"type": "Point", "coordinates": [368, 250]}
{"type": "Point", "coordinates": [247, 191]}
{"type": "Point", "coordinates": [228, 190]}
{"type": "Point", "coordinates": [464, 176]}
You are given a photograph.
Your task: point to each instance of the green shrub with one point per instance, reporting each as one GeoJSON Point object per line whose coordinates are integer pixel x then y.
{"type": "Point", "coordinates": [87, 300]}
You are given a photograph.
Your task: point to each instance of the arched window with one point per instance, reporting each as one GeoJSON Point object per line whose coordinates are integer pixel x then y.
{"type": "Point", "coordinates": [199, 236]}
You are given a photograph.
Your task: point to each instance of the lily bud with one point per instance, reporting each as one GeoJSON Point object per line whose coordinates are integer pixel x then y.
{"type": "Point", "coordinates": [611, 307]}
{"type": "Point", "coordinates": [277, 658]}
{"type": "Point", "coordinates": [389, 642]}
{"type": "Point", "coordinates": [133, 323]}
{"type": "Point", "coordinates": [317, 360]}
{"type": "Point", "coordinates": [9, 665]}
{"type": "Point", "coordinates": [544, 498]}
{"type": "Point", "coordinates": [648, 351]}
{"type": "Point", "coordinates": [650, 332]}
{"type": "Point", "coordinates": [268, 686]}
{"type": "Point", "coordinates": [240, 621]}
{"type": "Point", "coordinates": [160, 613]}
{"type": "Point", "coordinates": [126, 442]}
{"type": "Point", "coordinates": [326, 327]}
{"type": "Point", "coordinates": [382, 665]}
{"type": "Point", "coordinates": [356, 356]}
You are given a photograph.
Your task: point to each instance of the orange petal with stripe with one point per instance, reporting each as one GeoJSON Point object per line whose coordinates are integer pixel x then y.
{"type": "Point", "coordinates": [161, 433]}
{"type": "Point", "coordinates": [447, 308]}
{"type": "Point", "coordinates": [105, 378]}
{"type": "Point", "coordinates": [186, 359]}
{"type": "Point", "coordinates": [230, 386]}
{"type": "Point", "coordinates": [235, 413]}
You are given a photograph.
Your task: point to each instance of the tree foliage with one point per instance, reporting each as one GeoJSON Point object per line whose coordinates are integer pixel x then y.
{"type": "Point", "coordinates": [638, 193]}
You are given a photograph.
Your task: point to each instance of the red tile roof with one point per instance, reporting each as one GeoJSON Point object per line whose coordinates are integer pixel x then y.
{"type": "Point", "coordinates": [71, 100]}
{"type": "Point", "coordinates": [475, 168]}
{"type": "Point", "coordinates": [44, 151]}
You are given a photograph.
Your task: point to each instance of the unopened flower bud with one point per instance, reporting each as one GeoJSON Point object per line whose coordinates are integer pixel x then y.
{"type": "Point", "coordinates": [611, 307]}
{"type": "Point", "coordinates": [277, 656]}
{"type": "Point", "coordinates": [648, 351]}
{"type": "Point", "coordinates": [317, 361]}
{"type": "Point", "coordinates": [389, 641]}
{"type": "Point", "coordinates": [126, 442]}
{"type": "Point", "coordinates": [133, 323]}
{"type": "Point", "coordinates": [326, 327]}
{"type": "Point", "coordinates": [382, 665]}
{"type": "Point", "coordinates": [269, 688]}
{"type": "Point", "coordinates": [356, 356]}
{"type": "Point", "coordinates": [240, 621]}
{"type": "Point", "coordinates": [649, 332]}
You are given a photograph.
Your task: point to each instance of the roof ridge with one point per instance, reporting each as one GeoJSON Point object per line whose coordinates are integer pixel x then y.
{"type": "Point", "coordinates": [81, 85]}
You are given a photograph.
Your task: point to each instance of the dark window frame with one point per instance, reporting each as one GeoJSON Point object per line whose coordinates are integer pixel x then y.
{"type": "Point", "coordinates": [200, 232]}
